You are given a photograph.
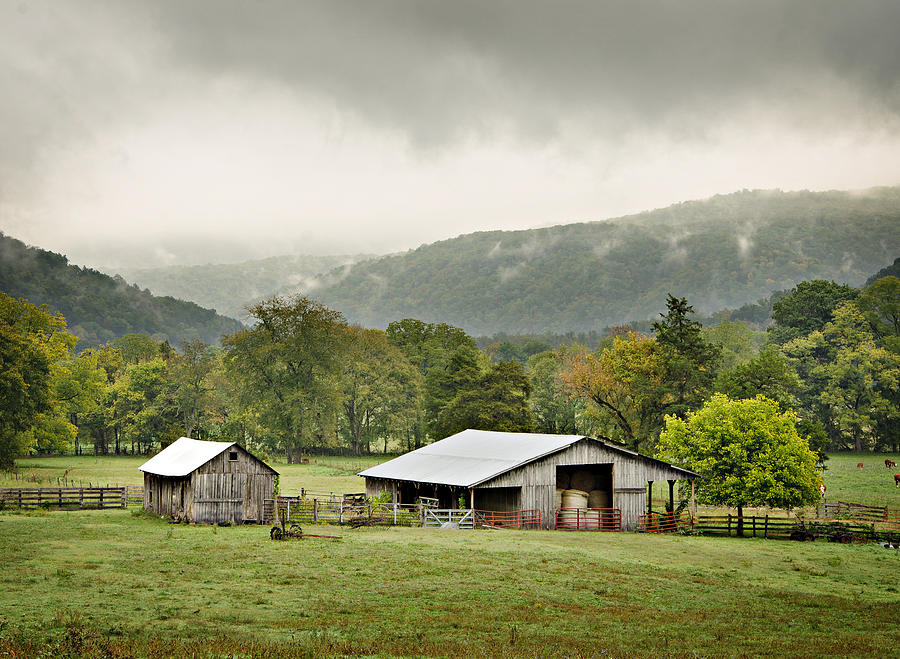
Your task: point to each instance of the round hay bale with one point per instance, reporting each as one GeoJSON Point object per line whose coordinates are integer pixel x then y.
{"type": "Point", "coordinates": [563, 480]}
{"type": "Point", "coordinates": [582, 479]}
{"type": "Point", "coordinates": [574, 499]}
{"type": "Point", "coordinates": [590, 520]}
{"type": "Point", "coordinates": [598, 499]}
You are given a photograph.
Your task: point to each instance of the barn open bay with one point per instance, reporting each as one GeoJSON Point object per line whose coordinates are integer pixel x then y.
{"type": "Point", "coordinates": [113, 582]}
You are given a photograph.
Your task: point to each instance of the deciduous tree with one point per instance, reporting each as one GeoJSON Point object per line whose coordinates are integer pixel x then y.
{"type": "Point", "coordinates": [748, 453]}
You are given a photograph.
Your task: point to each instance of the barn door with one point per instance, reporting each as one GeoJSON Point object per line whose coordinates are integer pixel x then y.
{"type": "Point", "coordinates": [220, 499]}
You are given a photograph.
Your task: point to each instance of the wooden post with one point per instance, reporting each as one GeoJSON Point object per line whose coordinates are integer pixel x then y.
{"type": "Point", "coordinates": [766, 529]}
{"type": "Point", "coordinates": [672, 496]}
{"type": "Point", "coordinates": [693, 500]}
{"type": "Point", "coordinates": [649, 497]}
{"type": "Point", "coordinates": [729, 525]}
{"type": "Point", "coordinates": [472, 499]}
{"type": "Point", "coordinates": [754, 525]}
{"type": "Point", "coordinates": [315, 511]}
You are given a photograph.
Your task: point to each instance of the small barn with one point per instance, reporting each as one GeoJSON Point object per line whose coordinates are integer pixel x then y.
{"type": "Point", "coordinates": [501, 471]}
{"type": "Point", "coordinates": [207, 482]}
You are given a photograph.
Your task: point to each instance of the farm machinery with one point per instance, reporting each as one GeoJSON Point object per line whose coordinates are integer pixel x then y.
{"type": "Point", "coordinates": [281, 532]}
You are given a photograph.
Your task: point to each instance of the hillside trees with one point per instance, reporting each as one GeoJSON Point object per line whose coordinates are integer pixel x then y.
{"type": "Point", "coordinates": [849, 381]}
{"type": "Point", "coordinates": [382, 390]}
{"type": "Point", "coordinates": [32, 344]}
{"type": "Point", "coordinates": [288, 367]}
{"type": "Point", "coordinates": [494, 399]}
{"type": "Point", "coordinates": [808, 307]}
{"type": "Point", "coordinates": [557, 409]}
{"type": "Point", "coordinates": [691, 361]}
{"type": "Point", "coordinates": [626, 384]}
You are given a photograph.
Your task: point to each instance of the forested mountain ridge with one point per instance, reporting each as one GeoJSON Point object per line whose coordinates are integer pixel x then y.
{"type": "Point", "coordinates": [720, 252]}
{"type": "Point", "coordinates": [97, 307]}
{"type": "Point", "coordinates": [230, 287]}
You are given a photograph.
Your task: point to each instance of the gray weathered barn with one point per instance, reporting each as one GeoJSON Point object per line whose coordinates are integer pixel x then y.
{"type": "Point", "coordinates": [207, 482]}
{"type": "Point", "coordinates": [502, 471]}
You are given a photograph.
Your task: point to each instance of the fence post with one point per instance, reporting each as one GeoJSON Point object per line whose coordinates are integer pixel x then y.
{"type": "Point", "coordinates": [287, 517]}
{"type": "Point", "coordinates": [766, 529]}
{"type": "Point", "coordinates": [395, 514]}
{"type": "Point", "coordinates": [729, 525]}
{"type": "Point", "coordinates": [341, 512]}
{"type": "Point", "coordinates": [315, 511]}
{"type": "Point", "coordinates": [754, 526]}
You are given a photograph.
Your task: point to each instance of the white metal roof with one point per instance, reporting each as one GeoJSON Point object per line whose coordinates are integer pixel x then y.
{"type": "Point", "coordinates": [183, 456]}
{"type": "Point", "coordinates": [470, 457]}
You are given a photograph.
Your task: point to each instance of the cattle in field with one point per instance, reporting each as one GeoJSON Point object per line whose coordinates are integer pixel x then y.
{"type": "Point", "coordinates": [859, 465]}
{"type": "Point", "coordinates": [889, 463]}
{"type": "Point", "coordinates": [896, 480]}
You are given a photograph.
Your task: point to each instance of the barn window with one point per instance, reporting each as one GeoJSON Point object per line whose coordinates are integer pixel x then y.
{"type": "Point", "coordinates": [232, 456]}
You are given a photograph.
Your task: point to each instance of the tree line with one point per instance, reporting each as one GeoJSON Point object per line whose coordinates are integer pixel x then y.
{"type": "Point", "coordinates": [302, 379]}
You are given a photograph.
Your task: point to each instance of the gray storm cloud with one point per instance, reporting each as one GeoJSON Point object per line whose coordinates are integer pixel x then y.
{"type": "Point", "coordinates": [426, 112]}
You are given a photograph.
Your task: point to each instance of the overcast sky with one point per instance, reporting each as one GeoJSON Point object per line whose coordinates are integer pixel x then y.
{"type": "Point", "coordinates": [197, 131]}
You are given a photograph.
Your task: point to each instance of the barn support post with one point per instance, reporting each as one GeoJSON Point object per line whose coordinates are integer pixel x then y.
{"type": "Point", "coordinates": [472, 498]}
{"type": "Point", "coordinates": [649, 497]}
{"type": "Point", "coordinates": [693, 500]}
{"type": "Point", "coordinates": [672, 495]}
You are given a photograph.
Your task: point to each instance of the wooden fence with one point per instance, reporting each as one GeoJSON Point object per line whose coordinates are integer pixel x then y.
{"type": "Point", "coordinates": [63, 497]}
{"type": "Point", "coordinates": [790, 527]}
{"type": "Point", "coordinates": [297, 510]}
{"type": "Point", "coordinates": [859, 511]}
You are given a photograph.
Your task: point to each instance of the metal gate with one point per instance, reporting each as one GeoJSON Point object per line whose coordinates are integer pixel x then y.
{"type": "Point", "coordinates": [437, 517]}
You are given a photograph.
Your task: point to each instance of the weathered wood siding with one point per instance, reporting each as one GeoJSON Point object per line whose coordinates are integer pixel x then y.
{"type": "Point", "coordinates": [629, 479]}
{"type": "Point", "coordinates": [231, 490]}
{"type": "Point", "coordinates": [168, 495]}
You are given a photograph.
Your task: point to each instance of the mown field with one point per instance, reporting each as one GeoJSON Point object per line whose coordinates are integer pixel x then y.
{"type": "Point", "coordinates": [111, 583]}
{"type": "Point", "coordinates": [122, 583]}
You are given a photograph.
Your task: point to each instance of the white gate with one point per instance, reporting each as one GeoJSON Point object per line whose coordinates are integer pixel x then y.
{"type": "Point", "coordinates": [437, 517]}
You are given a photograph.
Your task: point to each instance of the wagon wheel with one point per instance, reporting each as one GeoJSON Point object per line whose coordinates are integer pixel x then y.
{"type": "Point", "coordinates": [845, 539]}
{"type": "Point", "coordinates": [276, 533]}
{"type": "Point", "coordinates": [295, 530]}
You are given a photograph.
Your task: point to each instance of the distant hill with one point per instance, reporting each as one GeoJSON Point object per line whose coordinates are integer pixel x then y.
{"type": "Point", "coordinates": [98, 307]}
{"type": "Point", "coordinates": [892, 270]}
{"type": "Point", "coordinates": [229, 288]}
{"type": "Point", "coordinates": [720, 253]}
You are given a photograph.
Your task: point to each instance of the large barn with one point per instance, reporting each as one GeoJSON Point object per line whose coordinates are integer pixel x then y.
{"type": "Point", "coordinates": [207, 482]}
{"type": "Point", "coordinates": [501, 471]}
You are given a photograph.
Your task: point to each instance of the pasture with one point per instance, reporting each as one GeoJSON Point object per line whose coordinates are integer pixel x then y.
{"type": "Point", "coordinates": [322, 474]}
{"type": "Point", "coordinates": [120, 583]}
{"type": "Point", "coordinates": [116, 582]}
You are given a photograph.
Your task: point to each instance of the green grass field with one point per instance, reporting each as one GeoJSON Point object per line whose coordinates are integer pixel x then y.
{"type": "Point", "coordinates": [323, 474]}
{"type": "Point", "coordinates": [114, 582]}
{"type": "Point", "coordinates": [121, 583]}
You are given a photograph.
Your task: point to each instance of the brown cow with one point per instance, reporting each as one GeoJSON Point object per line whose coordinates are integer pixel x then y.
{"type": "Point", "coordinates": [896, 480]}
{"type": "Point", "coordinates": [859, 465]}
{"type": "Point", "coordinates": [889, 463]}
